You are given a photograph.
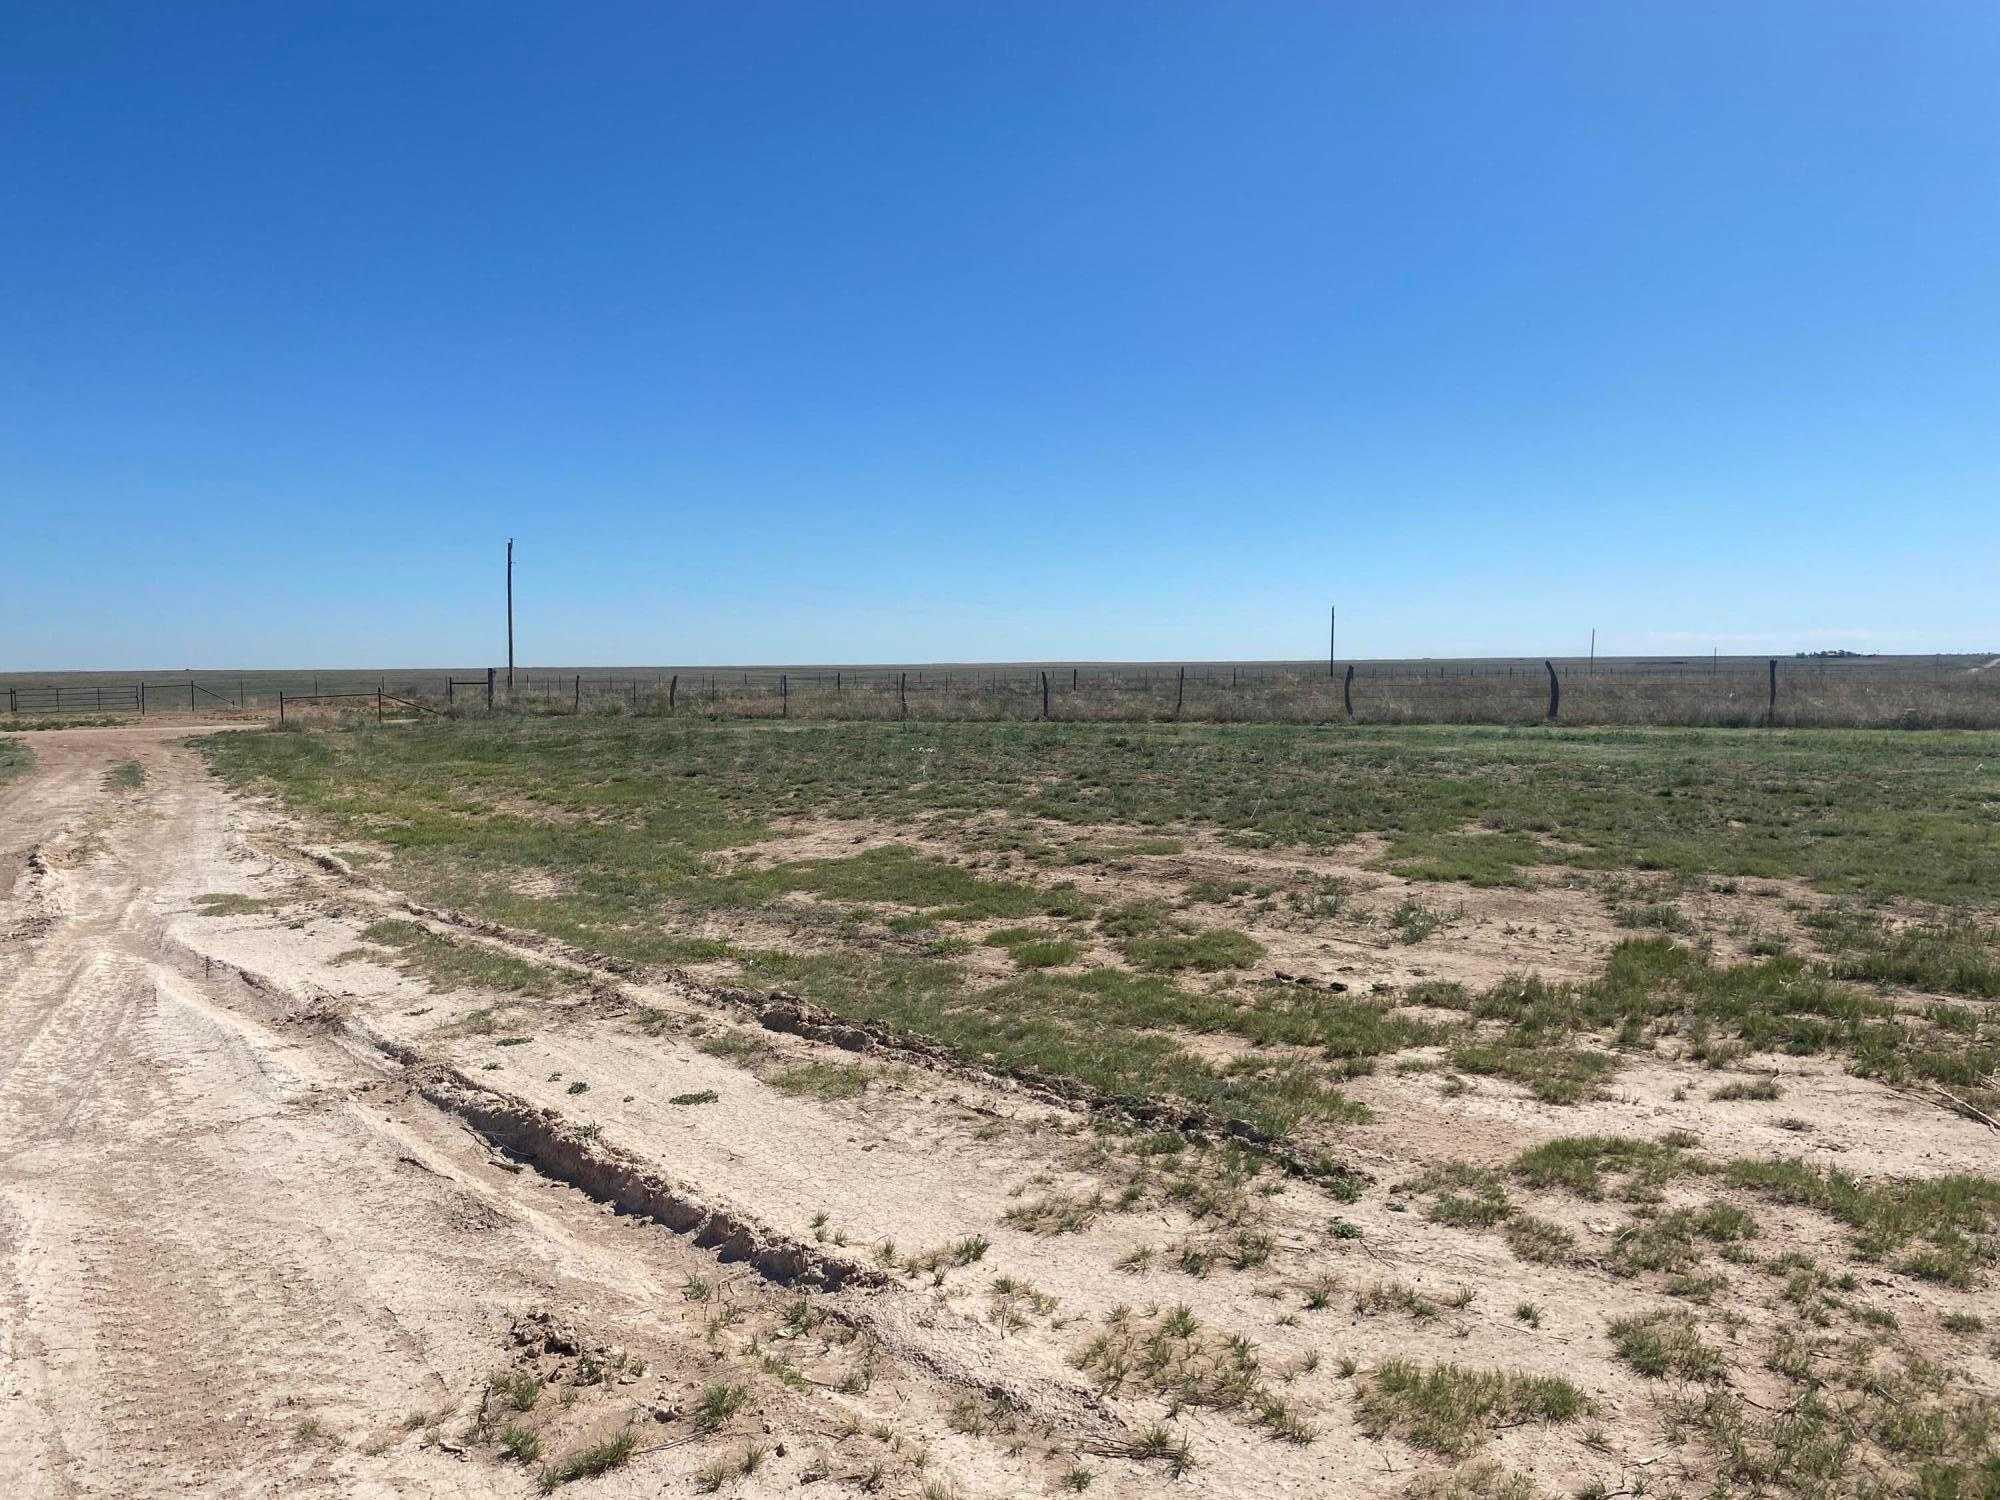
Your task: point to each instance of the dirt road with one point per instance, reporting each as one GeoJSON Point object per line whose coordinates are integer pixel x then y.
{"type": "Point", "coordinates": [234, 1262]}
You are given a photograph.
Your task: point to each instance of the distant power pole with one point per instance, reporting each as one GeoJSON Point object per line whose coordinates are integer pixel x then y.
{"type": "Point", "coordinates": [510, 618]}
{"type": "Point", "coordinates": [1332, 637]}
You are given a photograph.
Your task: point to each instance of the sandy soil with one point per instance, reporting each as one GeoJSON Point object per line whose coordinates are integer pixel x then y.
{"type": "Point", "coordinates": [273, 1213]}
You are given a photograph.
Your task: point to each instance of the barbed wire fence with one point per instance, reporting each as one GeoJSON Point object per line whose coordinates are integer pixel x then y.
{"type": "Point", "coordinates": [1912, 692]}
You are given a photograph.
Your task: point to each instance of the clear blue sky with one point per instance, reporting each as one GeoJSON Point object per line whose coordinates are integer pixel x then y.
{"type": "Point", "coordinates": [860, 332]}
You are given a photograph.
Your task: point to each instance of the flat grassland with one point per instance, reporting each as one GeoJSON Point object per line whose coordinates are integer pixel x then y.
{"type": "Point", "coordinates": [1505, 1111]}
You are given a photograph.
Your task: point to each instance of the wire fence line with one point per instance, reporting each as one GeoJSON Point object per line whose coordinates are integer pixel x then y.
{"type": "Point", "coordinates": [1910, 692]}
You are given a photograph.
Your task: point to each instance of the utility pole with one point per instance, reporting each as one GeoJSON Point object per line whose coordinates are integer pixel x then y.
{"type": "Point", "coordinates": [1332, 638]}
{"type": "Point", "coordinates": [1593, 648]}
{"type": "Point", "coordinates": [510, 619]}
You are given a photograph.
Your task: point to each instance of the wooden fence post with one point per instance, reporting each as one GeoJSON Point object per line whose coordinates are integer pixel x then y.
{"type": "Point", "coordinates": [489, 690]}
{"type": "Point", "coordinates": [784, 696]}
{"type": "Point", "coordinates": [576, 695]}
{"type": "Point", "coordinates": [1555, 691]}
{"type": "Point", "coordinates": [673, 688]}
{"type": "Point", "coordinates": [1347, 691]}
{"type": "Point", "coordinates": [903, 694]}
{"type": "Point", "coordinates": [281, 708]}
{"type": "Point", "coordinates": [1771, 714]}
{"type": "Point", "coordinates": [1180, 692]}
{"type": "Point", "coordinates": [1045, 695]}
{"type": "Point", "coordinates": [142, 700]}
{"type": "Point", "coordinates": [378, 705]}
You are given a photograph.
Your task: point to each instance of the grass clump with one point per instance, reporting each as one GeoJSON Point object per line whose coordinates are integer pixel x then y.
{"type": "Point", "coordinates": [822, 1080]}
{"type": "Point", "coordinates": [1666, 1343]}
{"type": "Point", "coordinates": [1585, 1165]}
{"type": "Point", "coordinates": [591, 1462]}
{"type": "Point", "coordinates": [1450, 1409]}
{"type": "Point", "coordinates": [1468, 1197]}
{"type": "Point", "coordinates": [1172, 1354]}
{"type": "Point", "coordinates": [1763, 1089]}
{"type": "Point", "coordinates": [1540, 1240]}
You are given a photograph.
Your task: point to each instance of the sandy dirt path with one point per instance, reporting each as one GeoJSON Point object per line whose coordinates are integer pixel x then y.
{"type": "Point", "coordinates": [231, 1262]}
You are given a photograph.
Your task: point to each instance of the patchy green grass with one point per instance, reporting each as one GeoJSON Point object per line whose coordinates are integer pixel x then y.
{"type": "Point", "coordinates": [1478, 859]}
{"type": "Point", "coordinates": [15, 757]}
{"type": "Point", "coordinates": [620, 827]}
{"type": "Point", "coordinates": [1451, 1409]}
{"type": "Point", "coordinates": [1653, 988]}
{"type": "Point", "coordinates": [1948, 957]}
{"type": "Point", "coordinates": [1587, 1165]}
{"type": "Point", "coordinates": [446, 964]}
{"type": "Point", "coordinates": [126, 775]}
{"type": "Point", "coordinates": [1936, 1228]}
{"type": "Point", "coordinates": [230, 904]}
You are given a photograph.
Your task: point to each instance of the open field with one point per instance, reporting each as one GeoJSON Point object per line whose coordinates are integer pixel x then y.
{"type": "Point", "coordinates": [643, 1104]}
{"type": "Point", "coordinates": [1908, 692]}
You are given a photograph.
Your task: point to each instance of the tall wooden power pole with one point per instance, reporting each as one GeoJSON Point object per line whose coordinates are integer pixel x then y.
{"type": "Point", "coordinates": [510, 619]}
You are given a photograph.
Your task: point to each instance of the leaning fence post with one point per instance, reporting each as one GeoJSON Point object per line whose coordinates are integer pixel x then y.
{"type": "Point", "coordinates": [1347, 691]}
{"type": "Point", "coordinates": [1555, 690]}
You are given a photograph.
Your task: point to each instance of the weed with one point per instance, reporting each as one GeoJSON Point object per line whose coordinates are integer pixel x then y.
{"type": "Point", "coordinates": [719, 1402]}
{"type": "Point", "coordinates": [519, 1444]}
{"type": "Point", "coordinates": [591, 1462]}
